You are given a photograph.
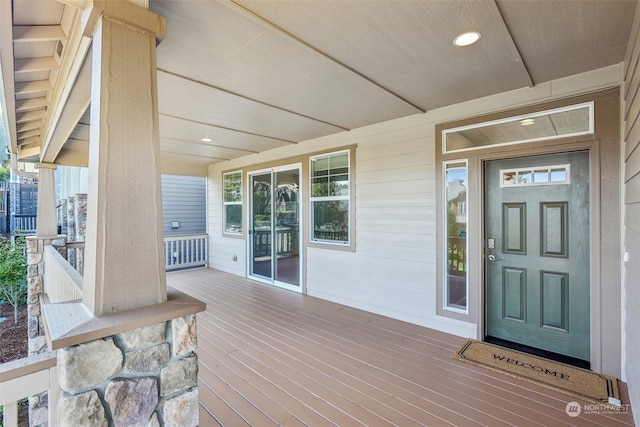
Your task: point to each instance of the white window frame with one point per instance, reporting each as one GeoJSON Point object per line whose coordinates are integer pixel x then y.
{"type": "Point", "coordinates": [445, 241]}
{"type": "Point", "coordinates": [232, 203]}
{"type": "Point", "coordinates": [590, 106]}
{"type": "Point", "coordinates": [346, 198]}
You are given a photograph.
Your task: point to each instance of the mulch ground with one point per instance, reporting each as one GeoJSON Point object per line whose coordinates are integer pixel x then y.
{"type": "Point", "coordinates": [14, 345]}
{"type": "Point", "coordinates": [13, 337]}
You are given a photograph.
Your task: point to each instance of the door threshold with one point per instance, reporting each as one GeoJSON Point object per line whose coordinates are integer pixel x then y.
{"type": "Point", "coordinates": [569, 360]}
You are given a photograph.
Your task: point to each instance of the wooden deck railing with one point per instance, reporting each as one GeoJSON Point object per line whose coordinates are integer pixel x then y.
{"type": "Point", "coordinates": [75, 255]}
{"type": "Point", "coordinates": [185, 251]}
{"type": "Point", "coordinates": [24, 225]}
{"type": "Point", "coordinates": [62, 282]}
{"type": "Point", "coordinates": [286, 241]}
{"type": "Point", "coordinates": [25, 377]}
{"type": "Point", "coordinates": [63, 277]}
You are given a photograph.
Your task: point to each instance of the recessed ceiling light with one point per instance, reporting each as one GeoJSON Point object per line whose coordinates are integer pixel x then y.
{"type": "Point", "coordinates": [466, 39]}
{"type": "Point", "coordinates": [527, 122]}
{"type": "Point", "coordinates": [206, 140]}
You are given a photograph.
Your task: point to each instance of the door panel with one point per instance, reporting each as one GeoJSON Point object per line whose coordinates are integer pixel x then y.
{"type": "Point", "coordinates": [537, 275]}
{"type": "Point", "coordinates": [287, 211]}
{"type": "Point", "coordinates": [274, 228]}
{"type": "Point", "coordinates": [261, 225]}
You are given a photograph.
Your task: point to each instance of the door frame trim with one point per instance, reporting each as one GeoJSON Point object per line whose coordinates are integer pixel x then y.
{"type": "Point", "coordinates": [595, 286]}
{"type": "Point", "coordinates": [606, 259]}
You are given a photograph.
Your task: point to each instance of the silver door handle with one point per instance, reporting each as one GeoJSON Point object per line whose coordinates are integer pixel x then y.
{"type": "Point", "coordinates": [491, 257]}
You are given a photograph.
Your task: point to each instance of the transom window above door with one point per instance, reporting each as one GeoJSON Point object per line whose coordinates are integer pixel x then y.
{"type": "Point", "coordinates": [556, 123]}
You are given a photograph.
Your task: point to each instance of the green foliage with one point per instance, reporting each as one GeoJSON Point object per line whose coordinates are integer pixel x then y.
{"type": "Point", "coordinates": [13, 273]}
{"type": "Point", "coordinates": [4, 172]}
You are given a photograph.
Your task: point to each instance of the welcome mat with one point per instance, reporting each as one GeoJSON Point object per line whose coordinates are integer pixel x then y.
{"type": "Point", "coordinates": [578, 382]}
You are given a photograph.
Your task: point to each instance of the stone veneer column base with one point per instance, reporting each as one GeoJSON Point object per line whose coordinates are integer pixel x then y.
{"type": "Point", "coordinates": [39, 403]}
{"type": "Point", "coordinates": [144, 377]}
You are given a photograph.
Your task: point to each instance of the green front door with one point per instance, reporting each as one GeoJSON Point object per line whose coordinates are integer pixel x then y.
{"type": "Point", "coordinates": [537, 252]}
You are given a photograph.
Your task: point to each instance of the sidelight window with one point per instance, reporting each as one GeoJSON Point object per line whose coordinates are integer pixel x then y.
{"type": "Point", "coordinates": [456, 291]}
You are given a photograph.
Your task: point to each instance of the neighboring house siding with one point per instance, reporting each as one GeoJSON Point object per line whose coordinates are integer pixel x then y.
{"type": "Point", "coordinates": [631, 300]}
{"type": "Point", "coordinates": [392, 270]}
{"type": "Point", "coordinates": [184, 201]}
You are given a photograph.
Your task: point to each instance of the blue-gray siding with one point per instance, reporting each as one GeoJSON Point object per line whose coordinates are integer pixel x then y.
{"type": "Point", "coordinates": [184, 201]}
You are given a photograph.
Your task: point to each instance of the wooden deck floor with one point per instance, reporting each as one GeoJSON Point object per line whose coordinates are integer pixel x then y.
{"type": "Point", "coordinates": [274, 357]}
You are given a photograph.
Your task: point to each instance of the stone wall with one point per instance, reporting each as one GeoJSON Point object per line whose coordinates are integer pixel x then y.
{"type": "Point", "coordinates": [144, 377]}
{"type": "Point", "coordinates": [38, 404]}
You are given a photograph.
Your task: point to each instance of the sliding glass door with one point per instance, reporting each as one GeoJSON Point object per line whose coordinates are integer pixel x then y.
{"type": "Point", "coordinates": [274, 226]}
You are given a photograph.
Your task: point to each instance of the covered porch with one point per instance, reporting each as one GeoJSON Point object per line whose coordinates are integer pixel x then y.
{"type": "Point", "coordinates": [269, 356]}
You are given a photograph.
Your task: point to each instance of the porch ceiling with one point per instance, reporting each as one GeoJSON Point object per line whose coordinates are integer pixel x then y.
{"type": "Point", "coordinates": [248, 76]}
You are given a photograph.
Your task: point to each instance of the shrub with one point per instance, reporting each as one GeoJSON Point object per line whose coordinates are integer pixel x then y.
{"type": "Point", "coordinates": [13, 274]}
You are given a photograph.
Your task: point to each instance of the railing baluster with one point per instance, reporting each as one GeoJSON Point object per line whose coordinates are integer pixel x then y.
{"type": "Point", "coordinates": [10, 414]}
{"type": "Point", "coordinates": [185, 251]}
{"type": "Point", "coordinates": [25, 377]}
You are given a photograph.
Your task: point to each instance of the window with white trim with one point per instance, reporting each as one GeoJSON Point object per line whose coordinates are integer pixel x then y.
{"type": "Point", "coordinates": [232, 202]}
{"type": "Point", "coordinates": [330, 198]}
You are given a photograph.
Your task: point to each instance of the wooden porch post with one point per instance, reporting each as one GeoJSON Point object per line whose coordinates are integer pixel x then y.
{"type": "Point", "coordinates": [126, 353]}
{"type": "Point", "coordinates": [124, 264]}
{"type": "Point", "coordinates": [47, 224]}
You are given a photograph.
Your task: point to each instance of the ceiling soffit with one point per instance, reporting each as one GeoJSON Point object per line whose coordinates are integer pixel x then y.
{"type": "Point", "coordinates": [255, 75]}
{"type": "Point", "coordinates": [562, 38]}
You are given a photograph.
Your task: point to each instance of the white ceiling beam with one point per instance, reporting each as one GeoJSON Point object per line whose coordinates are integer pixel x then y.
{"type": "Point", "coordinates": [257, 101]}
{"type": "Point", "coordinates": [29, 134]}
{"type": "Point", "coordinates": [501, 26]}
{"type": "Point", "coordinates": [71, 63]}
{"type": "Point", "coordinates": [197, 156]}
{"type": "Point", "coordinates": [28, 126]}
{"type": "Point", "coordinates": [69, 157]}
{"type": "Point", "coordinates": [24, 88]}
{"type": "Point", "coordinates": [32, 151]}
{"type": "Point", "coordinates": [69, 115]}
{"type": "Point", "coordinates": [28, 65]}
{"type": "Point", "coordinates": [37, 33]}
{"type": "Point", "coordinates": [30, 116]}
{"type": "Point", "coordinates": [73, 95]}
{"type": "Point", "coordinates": [257, 18]}
{"type": "Point", "coordinates": [77, 145]}
{"type": "Point", "coordinates": [30, 142]}
{"type": "Point", "coordinates": [31, 104]}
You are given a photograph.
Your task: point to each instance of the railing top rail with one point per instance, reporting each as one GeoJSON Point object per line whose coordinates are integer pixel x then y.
{"type": "Point", "coordinates": [73, 245]}
{"type": "Point", "coordinates": [27, 365]}
{"type": "Point", "coordinates": [185, 236]}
